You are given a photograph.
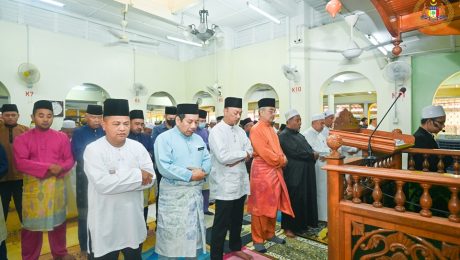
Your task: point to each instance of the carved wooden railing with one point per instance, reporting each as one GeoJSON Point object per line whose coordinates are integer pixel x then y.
{"type": "Point", "coordinates": [439, 153]}
{"type": "Point", "coordinates": [360, 230]}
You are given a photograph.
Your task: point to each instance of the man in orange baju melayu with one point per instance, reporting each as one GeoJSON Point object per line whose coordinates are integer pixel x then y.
{"type": "Point", "coordinates": [268, 189]}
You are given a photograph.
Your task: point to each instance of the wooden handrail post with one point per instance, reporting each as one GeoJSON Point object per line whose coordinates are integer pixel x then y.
{"type": "Point", "coordinates": [334, 195]}
{"type": "Point", "coordinates": [454, 205]}
{"type": "Point", "coordinates": [426, 201]}
{"type": "Point", "coordinates": [400, 197]}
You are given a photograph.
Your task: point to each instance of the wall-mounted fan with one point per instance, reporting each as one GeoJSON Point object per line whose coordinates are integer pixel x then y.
{"type": "Point", "coordinates": [215, 90]}
{"type": "Point", "coordinates": [138, 89]}
{"type": "Point", "coordinates": [397, 72]}
{"type": "Point", "coordinates": [291, 73]}
{"type": "Point", "coordinates": [29, 73]}
{"type": "Point", "coordinates": [122, 37]}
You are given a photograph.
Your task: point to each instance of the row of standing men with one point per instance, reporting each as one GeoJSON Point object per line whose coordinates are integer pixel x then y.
{"type": "Point", "coordinates": [116, 167]}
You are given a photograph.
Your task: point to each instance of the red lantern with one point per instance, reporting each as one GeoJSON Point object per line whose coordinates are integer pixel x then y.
{"type": "Point", "coordinates": [333, 7]}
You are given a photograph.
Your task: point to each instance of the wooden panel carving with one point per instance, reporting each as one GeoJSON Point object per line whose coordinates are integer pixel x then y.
{"type": "Point", "coordinates": [383, 244]}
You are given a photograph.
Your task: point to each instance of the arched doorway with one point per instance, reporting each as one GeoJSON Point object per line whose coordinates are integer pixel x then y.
{"type": "Point", "coordinates": [207, 102]}
{"type": "Point", "coordinates": [257, 92]}
{"type": "Point", "coordinates": [79, 97]}
{"type": "Point", "coordinates": [156, 106]}
{"type": "Point", "coordinates": [448, 96]}
{"type": "Point", "coordinates": [4, 95]}
{"type": "Point", "coordinates": [350, 90]}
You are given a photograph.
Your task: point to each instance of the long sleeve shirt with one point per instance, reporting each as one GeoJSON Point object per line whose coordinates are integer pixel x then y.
{"type": "Point", "coordinates": [36, 150]}
{"type": "Point", "coordinates": [144, 139]}
{"type": "Point", "coordinates": [176, 154]}
{"type": "Point", "coordinates": [7, 136]}
{"type": "Point", "coordinates": [82, 137]}
{"type": "Point", "coordinates": [266, 144]}
{"type": "Point", "coordinates": [115, 196]}
{"type": "Point", "coordinates": [317, 141]}
{"type": "Point", "coordinates": [203, 132]}
{"type": "Point", "coordinates": [229, 145]}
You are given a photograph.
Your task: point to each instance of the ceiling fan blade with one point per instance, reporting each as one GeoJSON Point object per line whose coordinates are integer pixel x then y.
{"type": "Point", "coordinates": [116, 34]}
{"type": "Point", "coordinates": [144, 42]}
{"type": "Point", "coordinates": [370, 47]}
{"type": "Point", "coordinates": [324, 50]}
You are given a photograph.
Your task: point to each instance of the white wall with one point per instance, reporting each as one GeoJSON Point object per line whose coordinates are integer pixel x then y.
{"type": "Point", "coordinates": [66, 62]}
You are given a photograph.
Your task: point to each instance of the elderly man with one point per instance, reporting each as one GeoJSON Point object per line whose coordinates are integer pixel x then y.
{"type": "Point", "coordinates": [136, 124]}
{"type": "Point", "coordinates": [81, 138]}
{"type": "Point", "coordinates": [432, 122]}
{"type": "Point", "coordinates": [44, 156]}
{"type": "Point", "coordinates": [11, 183]}
{"type": "Point", "coordinates": [68, 127]}
{"type": "Point", "coordinates": [230, 148]}
{"type": "Point", "coordinates": [318, 142]}
{"type": "Point", "coordinates": [118, 169]}
{"type": "Point", "coordinates": [184, 162]}
{"type": "Point", "coordinates": [268, 189]}
{"type": "Point", "coordinates": [328, 122]}
{"type": "Point", "coordinates": [299, 175]}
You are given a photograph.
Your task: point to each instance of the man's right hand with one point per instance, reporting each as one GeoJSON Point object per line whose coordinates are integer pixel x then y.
{"type": "Point", "coordinates": [198, 175]}
{"type": "Point", "coordinates": [146, 177]}
{"type": "Point", "coordinates": [54, 169]}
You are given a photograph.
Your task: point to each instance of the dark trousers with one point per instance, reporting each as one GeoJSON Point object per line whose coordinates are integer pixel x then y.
{"type": "Point", "coordinates": [10, 189]}
{"type": "Point", "coordinates": [157, 197]}
{"type": "Point", "coordinates": [3, 251]}
{"type": "Point", "coordinates": [128, 253]}
{"type": "Point", "coordinates": [228, 216]}
{"type": "Point", "coordinates": [82, 206]}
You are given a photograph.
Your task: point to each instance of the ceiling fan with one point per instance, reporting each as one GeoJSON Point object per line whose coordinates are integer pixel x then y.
{"type": "Point", "coordinates": [123, 37]}
{"type": "Point", "coordinates": [353, 50]}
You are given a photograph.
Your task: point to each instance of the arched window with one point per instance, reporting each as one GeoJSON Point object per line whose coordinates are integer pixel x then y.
{"type": "Point", "coordinates": [79, 97]}
{"type": "Point", "coordinates": [257, 92]}
{"type": "Point", "coordinates": [156, 106]}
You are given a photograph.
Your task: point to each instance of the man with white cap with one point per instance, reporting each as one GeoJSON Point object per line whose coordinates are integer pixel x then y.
{"type": "Point", "coordinates": [372, 123]}
{"type": "Point", "coordinates": [68, 126]}
{"type": "Point", "coordinates": [318, 142]}
{"type": "Point", "coordinates": [328, 121]}
{"type": "Point", "coordinates": [433, 120]}
{"type": "Point", "coordinates": [299, 175]}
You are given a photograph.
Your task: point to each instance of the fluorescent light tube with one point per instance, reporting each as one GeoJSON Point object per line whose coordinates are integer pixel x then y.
{"type": "Point", "coordinates": [374, 41]}
{"type": "Point", "coordinates": [262, 12]}
{"type": "Point", "coordinates": [52, 2]}
{"type": "Point", "coordinates": [184, 41]}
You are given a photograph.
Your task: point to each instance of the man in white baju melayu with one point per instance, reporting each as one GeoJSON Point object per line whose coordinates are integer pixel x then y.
{"type": "Point", "coordinates": [118, 170]}
{"type": "Point", "coordinates": [230, 149]}
{"type": "Point", "coordinates": [317, 141]}
{"type": "Point", "coordinates": [184, 162]}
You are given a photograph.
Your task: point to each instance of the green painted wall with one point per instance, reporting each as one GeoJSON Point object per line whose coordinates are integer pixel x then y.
{"type": "Point", "coordinates": [428, 72]}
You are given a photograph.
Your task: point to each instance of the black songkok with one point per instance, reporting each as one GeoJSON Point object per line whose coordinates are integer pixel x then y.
{"type": "Point", "coordinates": [266, 102]}
{"type": "Point", "coordinates": [219, 118]}
{"type": "Point", "coordinates": [202, 113]}
{"type": "Point", "coordinates": [245, 121]}
{"type": "Point", "coordinates": [171, 110]}
{"type": "Point", "coordinates": [116, 107]}
{"type": "Point", "coordinates": [183, 109]}
{"type": "Point", "coordinates": [136, 114]}
{"type": "Point", "coordinates": [94, 110]}
{"type": "Point", "coordinates": [43, 104]}
{"type": "Point", "coordinates": [9, 108]}
{"type": "Point", "coordinates": [233, 102]}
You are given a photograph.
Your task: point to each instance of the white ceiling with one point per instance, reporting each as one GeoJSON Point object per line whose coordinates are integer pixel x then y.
{"type": "Point", "coordinates": [90, 19]}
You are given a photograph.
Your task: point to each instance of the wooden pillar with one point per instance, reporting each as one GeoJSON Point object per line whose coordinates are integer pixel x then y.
{"type": "Point", "coordinates": [335, 192]}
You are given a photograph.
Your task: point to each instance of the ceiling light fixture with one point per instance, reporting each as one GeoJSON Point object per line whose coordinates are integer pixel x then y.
{"type": "Point", "coordinates": [202, 32]}
{"type": "Point", "coordinates": [52, 2]}
{"type": "Point", "coordinates": [262, 12]}
{"type": "Point", "coordinates": [184, 41]}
